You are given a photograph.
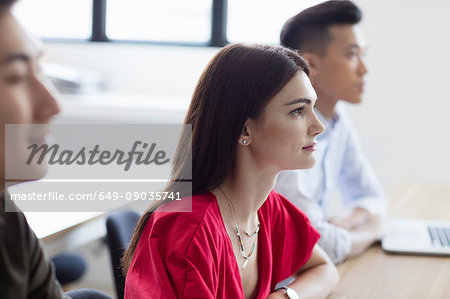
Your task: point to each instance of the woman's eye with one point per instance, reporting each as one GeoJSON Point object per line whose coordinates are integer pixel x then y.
{"type": "Point", "coordinates": [298, 111]}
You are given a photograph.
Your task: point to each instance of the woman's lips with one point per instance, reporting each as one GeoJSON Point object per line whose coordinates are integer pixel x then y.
{"type": "Point", "coordinates": [311, 147]}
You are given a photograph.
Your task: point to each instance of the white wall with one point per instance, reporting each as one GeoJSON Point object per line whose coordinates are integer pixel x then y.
{"type": "Point", "coordinates": [404, 121]}
{"type": "Point", "coordinates": [153, 69]}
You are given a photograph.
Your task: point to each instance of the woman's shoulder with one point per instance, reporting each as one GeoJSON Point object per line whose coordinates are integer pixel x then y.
{"type": "Point", "coordinates": [182, 222]}
{"type": "Point", "coordinates": [188, 208]}
{"type": "Point", "coordinates": [185, 245]}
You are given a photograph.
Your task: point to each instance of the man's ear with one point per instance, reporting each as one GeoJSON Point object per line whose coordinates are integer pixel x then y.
{"type": "Point", "coordinates": [313, 62]}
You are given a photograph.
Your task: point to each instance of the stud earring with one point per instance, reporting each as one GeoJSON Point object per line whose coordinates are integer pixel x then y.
{"type": "Point", "coordinates": [245, 141]}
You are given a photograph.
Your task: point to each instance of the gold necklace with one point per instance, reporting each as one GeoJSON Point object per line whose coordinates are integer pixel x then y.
{"type": "Point", "coordinates": [241, 243]}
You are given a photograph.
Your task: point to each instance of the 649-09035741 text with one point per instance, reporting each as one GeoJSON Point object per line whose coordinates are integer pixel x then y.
{"type": "Point", "coordinates": [97, 196]}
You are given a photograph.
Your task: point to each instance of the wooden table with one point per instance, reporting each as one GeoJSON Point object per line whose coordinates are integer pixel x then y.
{"type": "Point", "coordinates": [379, 275]}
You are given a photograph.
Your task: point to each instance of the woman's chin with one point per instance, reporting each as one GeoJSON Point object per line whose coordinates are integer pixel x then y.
{"type": "Point", "coordinates": [304, 165]}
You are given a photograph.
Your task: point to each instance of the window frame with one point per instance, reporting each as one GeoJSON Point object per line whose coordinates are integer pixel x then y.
{"type": "Point", "coordinates": [218, 36]}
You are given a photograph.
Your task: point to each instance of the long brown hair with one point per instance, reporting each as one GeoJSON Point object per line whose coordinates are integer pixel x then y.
{"type": "Point", "coordinates": [236, 85]}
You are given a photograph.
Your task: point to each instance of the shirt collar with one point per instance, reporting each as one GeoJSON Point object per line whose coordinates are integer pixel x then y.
{"type": "Point", "coordinates": [329, 124]}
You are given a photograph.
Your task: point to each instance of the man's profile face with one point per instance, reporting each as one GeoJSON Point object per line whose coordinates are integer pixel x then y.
{"type": "Point", "coordinates": [24, 97]}
{"type": "Point", "coordinates": [340, 73]}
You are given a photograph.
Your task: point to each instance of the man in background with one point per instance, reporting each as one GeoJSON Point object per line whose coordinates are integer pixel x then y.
{"type": "Point", "coordinates": [329, 38]}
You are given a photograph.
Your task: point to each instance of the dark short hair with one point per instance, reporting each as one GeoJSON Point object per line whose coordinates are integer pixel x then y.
{"type": "Point", "coordinates": [6, 4]}
{"type": "Point", "coordinates": [308, 30]}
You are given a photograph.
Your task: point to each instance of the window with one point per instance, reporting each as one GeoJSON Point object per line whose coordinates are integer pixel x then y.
{"type": "Point", "coordinates": [56, 18]}
{"type": "Point", "coordinates": [155, 20]}
{"type": "Point", "coordinates": [200, 22]}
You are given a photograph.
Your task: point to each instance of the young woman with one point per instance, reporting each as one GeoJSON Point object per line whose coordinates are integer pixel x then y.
{"type": "Point", "coordinates": [251, 116]}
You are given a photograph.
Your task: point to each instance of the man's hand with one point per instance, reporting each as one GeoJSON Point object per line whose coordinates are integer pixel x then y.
{"type": "Point", "coordinates": [357, 218]}
{"type": "Point", "coordinates": [364, 228]}
{"type": "Point", "coordinates": [375, 224]}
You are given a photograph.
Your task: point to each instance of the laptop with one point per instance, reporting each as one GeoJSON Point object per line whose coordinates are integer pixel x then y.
{"type": "Point", "coordinates": [417, 236]}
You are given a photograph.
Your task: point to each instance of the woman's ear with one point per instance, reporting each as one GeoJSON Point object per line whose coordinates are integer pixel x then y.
{"type": "Point", "coordinates": [245, 138]}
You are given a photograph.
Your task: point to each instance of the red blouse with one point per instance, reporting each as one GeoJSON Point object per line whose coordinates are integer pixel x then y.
{"type": "Point", "coordinates": [189, 254]}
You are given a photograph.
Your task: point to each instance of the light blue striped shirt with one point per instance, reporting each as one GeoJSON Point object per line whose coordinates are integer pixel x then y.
{"type": "Point", "coordinates": [340, 165]}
